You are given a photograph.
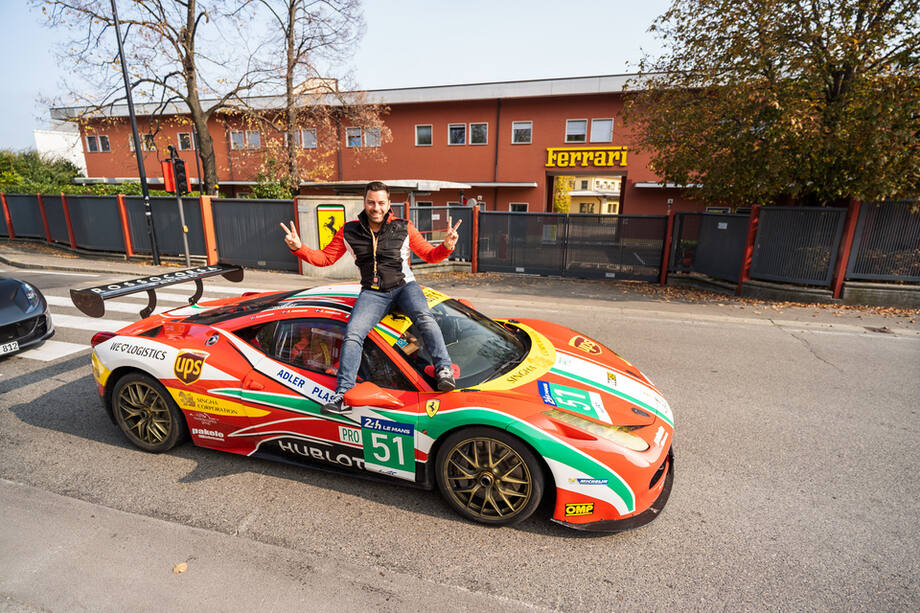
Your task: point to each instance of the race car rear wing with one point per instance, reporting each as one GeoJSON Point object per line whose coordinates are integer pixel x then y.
{"type": "Point", "coordinates": [92, 299]}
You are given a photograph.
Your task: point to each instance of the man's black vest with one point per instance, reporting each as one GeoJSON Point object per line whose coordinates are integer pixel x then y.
{"type": "Point", "coordinates": [392, 250]}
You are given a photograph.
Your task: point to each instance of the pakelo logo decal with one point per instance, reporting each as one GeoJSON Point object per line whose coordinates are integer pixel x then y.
{"type": "Point", "coordinates": [579, 508]}
{"type": "Point", "coordinates": [585, 344]}
{"type": "Point", "coordinates": [188, 366]}
{"type": "Point", "coordinates": [432, 406]}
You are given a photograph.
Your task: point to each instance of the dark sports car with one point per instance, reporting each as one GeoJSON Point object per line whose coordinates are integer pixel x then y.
{"type": "Point", "coordinates": [24, 316]}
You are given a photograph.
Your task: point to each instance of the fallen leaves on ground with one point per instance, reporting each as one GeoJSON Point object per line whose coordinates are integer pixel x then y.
{"type": "Point", "coordinates": [180, 568]}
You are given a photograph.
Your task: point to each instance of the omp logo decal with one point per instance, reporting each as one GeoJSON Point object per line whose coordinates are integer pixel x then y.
{"type": "Point", "coordinates": [188, 366]}
{"type": "Point", "coordinates": [585, 344]}
{"type": "Point", "coordinates": [432, 406]}
{"type": "Point", "coordinates": [580, 508]}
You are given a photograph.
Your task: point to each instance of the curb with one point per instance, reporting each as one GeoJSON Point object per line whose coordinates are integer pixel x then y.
{"type": "Point", "coordinates": [30, 266]}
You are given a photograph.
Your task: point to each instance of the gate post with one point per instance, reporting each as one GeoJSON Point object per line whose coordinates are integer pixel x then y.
{"type": "Point", "coordinates": [748, 256]}
{"type": "Point", "coordinates": [474, 256]}
{"type": "Point", "coordinates": [9, 219]}
{"type": "Point", "coordinates": [41, 208]}
{"type": "Point", "coordinates": [666, 254]}
{"type": "Point", "coordinates": [207, 226]}
{"type": "Point", "coordinates": [73, 243]}
{"type": "Point", "coordinates": [846, 246]}
{"type": "Point", "coordinates": [125, 227]}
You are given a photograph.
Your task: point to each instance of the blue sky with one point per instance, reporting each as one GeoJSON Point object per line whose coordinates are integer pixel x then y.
{"type": "Point", "coordinates": [407, 43]}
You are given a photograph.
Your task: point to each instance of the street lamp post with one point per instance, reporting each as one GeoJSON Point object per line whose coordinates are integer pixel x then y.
{"type": "Point", "coordinates": [151, 230]}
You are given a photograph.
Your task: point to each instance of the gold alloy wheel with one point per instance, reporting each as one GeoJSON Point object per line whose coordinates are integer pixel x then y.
{"type": "Point", "coordinates": [144, 413]}
{"type": "Point", "coordinates": [488, 478]}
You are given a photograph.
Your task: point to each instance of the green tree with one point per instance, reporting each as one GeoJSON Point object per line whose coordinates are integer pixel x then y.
{"type": "Point", "coordinates": [814, 101]}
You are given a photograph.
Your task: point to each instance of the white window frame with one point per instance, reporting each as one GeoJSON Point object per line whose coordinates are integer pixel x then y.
{"type": "Point", "coordinates": [571, 121]}
{"type": "Point", "coordinates": [582, 205]}
{"type": "Point", "coordinates": [592, 139]}
{"type": "Point", "coordinates": [349, 134]}
{"type": "Point", "coordinates": [249, 134]}
{"type": "Point", "coordinates": [242, 145]}
{"type": "Point", "coordinates": [430, 133]}
{"type": "Point", "coordinates": [585, 184]}
{"type": "Point", "coordinates": [470, 132]}
{"type": "Point", "coordinates": [191, 141]}
{"type": "Point", "coordinates": [511, 206]}
{"type": "Point", "coordinates": [369, 142]}
{"type": "Point", "coordinates": [92, 138]}
{"type": "Point", "coordinates": [303, 141]}
{"type": "Point", "coordinates": [456, 125]}
{"type": "Point", "coordinates": [529, 127]}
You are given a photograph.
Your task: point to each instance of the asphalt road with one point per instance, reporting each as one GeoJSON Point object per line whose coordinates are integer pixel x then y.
{"type": "Point", "coordinates": [796, 443]}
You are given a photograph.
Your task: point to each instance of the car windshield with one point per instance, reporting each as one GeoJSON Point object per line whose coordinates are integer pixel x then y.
{"type": "Point", "coordinates": [482, 348]}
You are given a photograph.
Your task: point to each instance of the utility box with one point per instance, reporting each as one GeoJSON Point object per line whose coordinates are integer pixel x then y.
{"type": "Point", "coordinates": [320, 217]}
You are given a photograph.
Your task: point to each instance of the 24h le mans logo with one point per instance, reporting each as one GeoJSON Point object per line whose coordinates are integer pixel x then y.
{"type": "Point", "coordinates": [188, 366]}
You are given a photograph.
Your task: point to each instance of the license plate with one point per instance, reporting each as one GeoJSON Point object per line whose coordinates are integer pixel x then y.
{"type": "Point", "coordinates": [9, 347]}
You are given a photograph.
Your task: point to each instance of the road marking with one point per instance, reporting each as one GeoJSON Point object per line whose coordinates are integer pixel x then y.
{"type": "Point", "coordinates": [90, 324]}
{"type": "Point", "coordinates": [115, 307]}
{"type": "Point", "coordinates": [52, 350]}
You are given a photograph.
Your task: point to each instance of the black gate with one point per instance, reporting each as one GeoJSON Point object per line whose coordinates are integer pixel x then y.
{"type": "Point", "coordinates": [709, 243]}
{"type": "Point", "coordinates": [886, 246]}
{"type": "Point", "coordinates": [797, 244]}
{"type": "Point", "coordinates": [249, 234]}
{"type": "Point", "coordinates": [606, 246]}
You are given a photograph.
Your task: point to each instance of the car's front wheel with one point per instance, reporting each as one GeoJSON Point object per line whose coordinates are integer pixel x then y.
{"type": "Point", "coordinates": [146, 414]}
{"type": "Point", "coordinates": [489, 476]}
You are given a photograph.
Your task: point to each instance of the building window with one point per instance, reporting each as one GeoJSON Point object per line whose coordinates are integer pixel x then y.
{"type": "Point", "coordinates": [185, 141]}
{"type": "Point", "coordinates": [518, 207]}
{"type": "Point", "coordinates": [456, 134]}
{"type": "Point", "coordinates": [372, 137]}
{"type": "Point", "coordinates": [92, 144]}
{"type": "Point", "coordinates": [601, 130]}
{"type": "Point", "coordinates": [237, 139]}
{"type": "Point", "coordinates": [352, 137]}
{"type": "Point", "coordinates": [254, 139]}
{"type": "Point", "coordinates": [308, 138]}
{"type": "Point", "coordinates": [98, 143]}
{"type": "Point", "coordinates": [576, 130]}
{"type": "Point", "coordinates": [479, 134]}
{"type": "Point", "coordinates": [423, 135]}
{"type": "Point", "coordinates": [586, 207]}
{"type": "Point", "coordinates": [521, 132]}
{"type": "Point", "coordinates": [584, 184]}
{"type": "Point", "coordinates": [148, 143]}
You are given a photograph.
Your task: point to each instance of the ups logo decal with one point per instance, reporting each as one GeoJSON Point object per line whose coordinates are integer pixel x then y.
{"type": "Point", "coordinates": [585, 344]}
{"type": "Point", "coordinates": [188, 366]}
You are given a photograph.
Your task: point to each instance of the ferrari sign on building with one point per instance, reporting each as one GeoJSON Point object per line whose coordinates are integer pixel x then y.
{"type": "Point", "coordinates": [585, 157]}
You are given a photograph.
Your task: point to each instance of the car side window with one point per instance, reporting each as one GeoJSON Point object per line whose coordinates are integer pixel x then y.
{"type": "Point", "coordinates": [311, 344]}
{"type": "Point", "coordinates": [259, 336]}
{"type": "Point", "coordinates": [380, 369]}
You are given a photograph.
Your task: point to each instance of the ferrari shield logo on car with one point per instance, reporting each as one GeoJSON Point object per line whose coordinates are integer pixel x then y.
{"type": "Point", "coordinates": [432, 406]}
{"type": "Point", "coordinates": [188, 366]}
{"type": "Point", "coordinates": [585, 344]}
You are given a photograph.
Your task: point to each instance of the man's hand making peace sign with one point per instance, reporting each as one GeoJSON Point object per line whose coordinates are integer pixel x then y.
{"type": "Point", "coordinates": [450, 241]}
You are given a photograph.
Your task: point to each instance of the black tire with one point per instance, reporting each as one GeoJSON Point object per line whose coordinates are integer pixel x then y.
{"type": "Point", "coordinates": [146, 413]}
{"type": "Point", "coordinates": [489, 476]}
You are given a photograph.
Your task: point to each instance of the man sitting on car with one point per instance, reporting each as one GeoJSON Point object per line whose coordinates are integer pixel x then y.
{"type": "Point", "coordinates": [380, 244]}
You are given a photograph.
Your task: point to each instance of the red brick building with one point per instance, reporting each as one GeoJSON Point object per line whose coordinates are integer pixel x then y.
{"type": "Point", "coordinates": [506, 140]}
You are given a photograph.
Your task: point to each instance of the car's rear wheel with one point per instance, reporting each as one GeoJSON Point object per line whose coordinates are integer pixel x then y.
{"type": "Point", "coordinates": [489, 476]}
{"type": "Point", "coordinates": [146, 413]}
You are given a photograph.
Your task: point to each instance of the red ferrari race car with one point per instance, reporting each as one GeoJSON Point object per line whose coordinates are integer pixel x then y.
{"type": "Point", "coordinates": [539, 409]}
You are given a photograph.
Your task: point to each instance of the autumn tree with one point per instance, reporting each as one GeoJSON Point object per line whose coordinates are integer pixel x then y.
{"type": "Point", "coordinates": [306, 44]}
{"type": "Point", "coordinates": [183, 56]}
{"type": "Point", "coordinates": [758, 101]}
{"type": "Point", "coordinates": [562, 198]}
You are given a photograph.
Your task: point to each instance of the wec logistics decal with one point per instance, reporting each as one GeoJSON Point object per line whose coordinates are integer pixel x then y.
{"type": "Point", "coordinates": [188, 365]}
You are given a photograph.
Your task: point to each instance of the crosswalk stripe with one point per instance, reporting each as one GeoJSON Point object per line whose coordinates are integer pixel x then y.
{"type": "Point", "coordinates": [90, 324]}
{"type": "Point", "coordinates": [110, 307]}
{"type": "Point", "coordinates": [52, 350]}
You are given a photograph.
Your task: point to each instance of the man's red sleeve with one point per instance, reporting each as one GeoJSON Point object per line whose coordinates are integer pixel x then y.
{"type": "Point", "coordinates": [424, 249]}
{"type": "Point", "coordinates": [324, 257]}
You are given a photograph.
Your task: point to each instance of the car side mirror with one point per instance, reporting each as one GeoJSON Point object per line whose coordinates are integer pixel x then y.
{"type": "Point", "coordinates": [369, 394]}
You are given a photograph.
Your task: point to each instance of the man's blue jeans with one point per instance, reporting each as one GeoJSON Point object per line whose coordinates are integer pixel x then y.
{"type": "Point", "coordinates": [370, 307]}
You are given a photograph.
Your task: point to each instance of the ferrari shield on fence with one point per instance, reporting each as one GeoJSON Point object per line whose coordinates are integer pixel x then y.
{"type": "Point", "coordinates": [92, 300]}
